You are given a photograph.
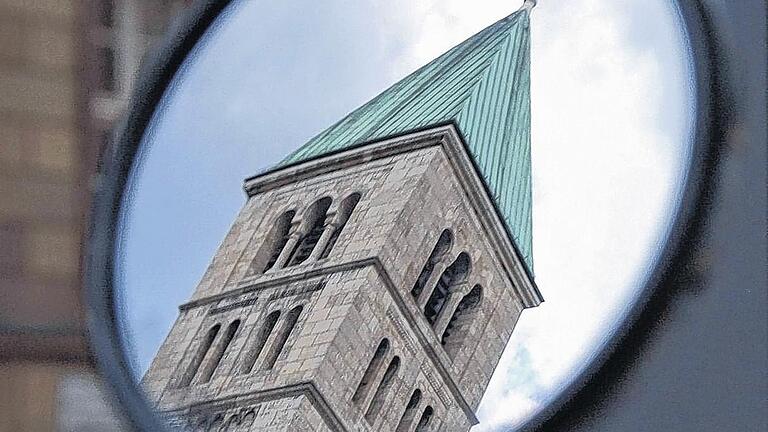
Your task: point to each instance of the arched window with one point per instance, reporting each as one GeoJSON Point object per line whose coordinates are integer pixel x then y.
{"type": "Point", "coordinates": [290, 322]}
{"type": "Point", "coordinates": [441, 247]}
{"type": "Point", "coordinates": [410, 412]}
{"type": "Point", "coordinates": [345, 211]}
{"type": "Point", "coordinates": [316, 214]}
{"type": "Point", "coordinates": [381, 393]}
{"type": "Point", "coordinates": [455, 333]}
{"type": "Point", "coordinates": [371, 372]}
{"type": "Point", "coordinates": [200, 355]}
{"type": "Point", "coordinates": [261, 340]}
{"type": "Point", "coordinates": [426, 417]}
{"type": "Point", "coordinates": [453, 275]}
{"type": "Point", "coordinates": [219, 352]}
{"type": "Point", "coordinates": [273, 244]}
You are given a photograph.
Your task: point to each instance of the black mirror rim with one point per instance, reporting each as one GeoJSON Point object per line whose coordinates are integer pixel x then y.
{"type": "Point", "coordinates": [107, 346]}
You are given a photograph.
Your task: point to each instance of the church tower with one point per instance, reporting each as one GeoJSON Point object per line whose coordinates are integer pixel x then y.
{"type": "Point", "coordinates": [373, 278]}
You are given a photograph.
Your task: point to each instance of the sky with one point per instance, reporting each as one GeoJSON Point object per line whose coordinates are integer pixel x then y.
{"type": "Point", "coordinates": [610, 121]}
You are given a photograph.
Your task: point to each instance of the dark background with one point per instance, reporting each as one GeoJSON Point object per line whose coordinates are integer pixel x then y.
{"type": "Point", "coordinates": [696, 358]}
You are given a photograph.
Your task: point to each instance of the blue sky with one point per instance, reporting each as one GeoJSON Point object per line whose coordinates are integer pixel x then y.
{"type": "Point", "coordinates": [609, 127]}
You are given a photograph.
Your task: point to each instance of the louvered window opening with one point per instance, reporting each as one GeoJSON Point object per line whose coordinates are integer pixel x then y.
{"type": "Point", "coordinates": [456, 332]}
{"type": "Point", "coordinates": [441, 247]}
{"type": "Point", "coordinates": [347, 207]}
{"type": "Point", "coordinates": [454, 274]}
{"type": "Point", "coordinates": [307, 244]}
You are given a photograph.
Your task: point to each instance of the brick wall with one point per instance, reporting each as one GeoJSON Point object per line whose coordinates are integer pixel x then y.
{"type": "Point", "coordinates": [49, 145]}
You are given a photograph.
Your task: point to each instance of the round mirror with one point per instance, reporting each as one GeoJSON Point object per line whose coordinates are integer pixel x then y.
{"type": "Point", "coordinates": [448, 256]}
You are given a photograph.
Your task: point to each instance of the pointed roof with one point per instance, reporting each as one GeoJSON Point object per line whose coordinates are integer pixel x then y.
{"type": "Point", "coordinates": [481, 85]}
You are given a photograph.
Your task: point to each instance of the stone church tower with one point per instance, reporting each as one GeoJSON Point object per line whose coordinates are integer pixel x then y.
{"type": "Point", "coordinates": [374, 277]}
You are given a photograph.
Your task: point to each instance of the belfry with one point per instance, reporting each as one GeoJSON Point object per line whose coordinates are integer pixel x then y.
{"type": "Point", "coordinates": [373, 278]}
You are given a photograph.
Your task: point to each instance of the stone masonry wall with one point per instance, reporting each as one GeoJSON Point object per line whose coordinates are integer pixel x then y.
{"type": "Point", "coordinates": [352, 299]}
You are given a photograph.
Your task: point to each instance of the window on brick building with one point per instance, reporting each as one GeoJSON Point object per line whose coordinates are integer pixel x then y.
{"type": "Point", "coordinates": [456, 332]}
{"type": "Point", "coordinates": [316, 215]}
{"type": "Point", "coordinates": [371, 371]}
{"type": "Point", "coordinates": [383, 390]}
{"type": "Point", "coordinates": [455, 274]}
{"type": "Point", "coordinates": [442, 246]}
{"type": "Point", "coordinates": [345, 211]}
{"type": "Point", "coordinates": [273, 244]}
{"type": "Point", "coordinates": [261, 340]}
{"type": "Point", "coordinates": [291, 318]}
{"type": "Point", "coordinates": [219, 352]}
{"type": "Point", "coordinates": [410, 412]}
{"type": "Point", "coordinates": [200, 355]}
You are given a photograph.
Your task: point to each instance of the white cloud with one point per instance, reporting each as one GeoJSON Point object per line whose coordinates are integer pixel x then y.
{"type": "Point", "coordinates": [435, 26]}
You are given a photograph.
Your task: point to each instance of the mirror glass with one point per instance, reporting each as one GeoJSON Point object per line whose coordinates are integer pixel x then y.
{"type": "Point", "coordinates": [610, 118]}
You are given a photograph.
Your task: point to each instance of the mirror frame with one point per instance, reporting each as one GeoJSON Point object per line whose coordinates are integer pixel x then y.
{"type": "Point", "coordinates": [163, 63]}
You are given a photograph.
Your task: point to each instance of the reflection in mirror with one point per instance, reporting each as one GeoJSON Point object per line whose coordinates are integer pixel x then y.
{"type": "Point", "coordinates": [295, 287]}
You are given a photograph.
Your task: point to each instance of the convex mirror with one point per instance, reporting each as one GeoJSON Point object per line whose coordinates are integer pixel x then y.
{"type": "Point", "coordinates": [450, 255]}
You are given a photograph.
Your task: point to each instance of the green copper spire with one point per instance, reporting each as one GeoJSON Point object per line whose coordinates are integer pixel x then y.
{"type": "Point", "coordinates": [483, 86]}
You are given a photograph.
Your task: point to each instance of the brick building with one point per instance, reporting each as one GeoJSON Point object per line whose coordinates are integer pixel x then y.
{"type": "Point", "coordinates": [66, 73]}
